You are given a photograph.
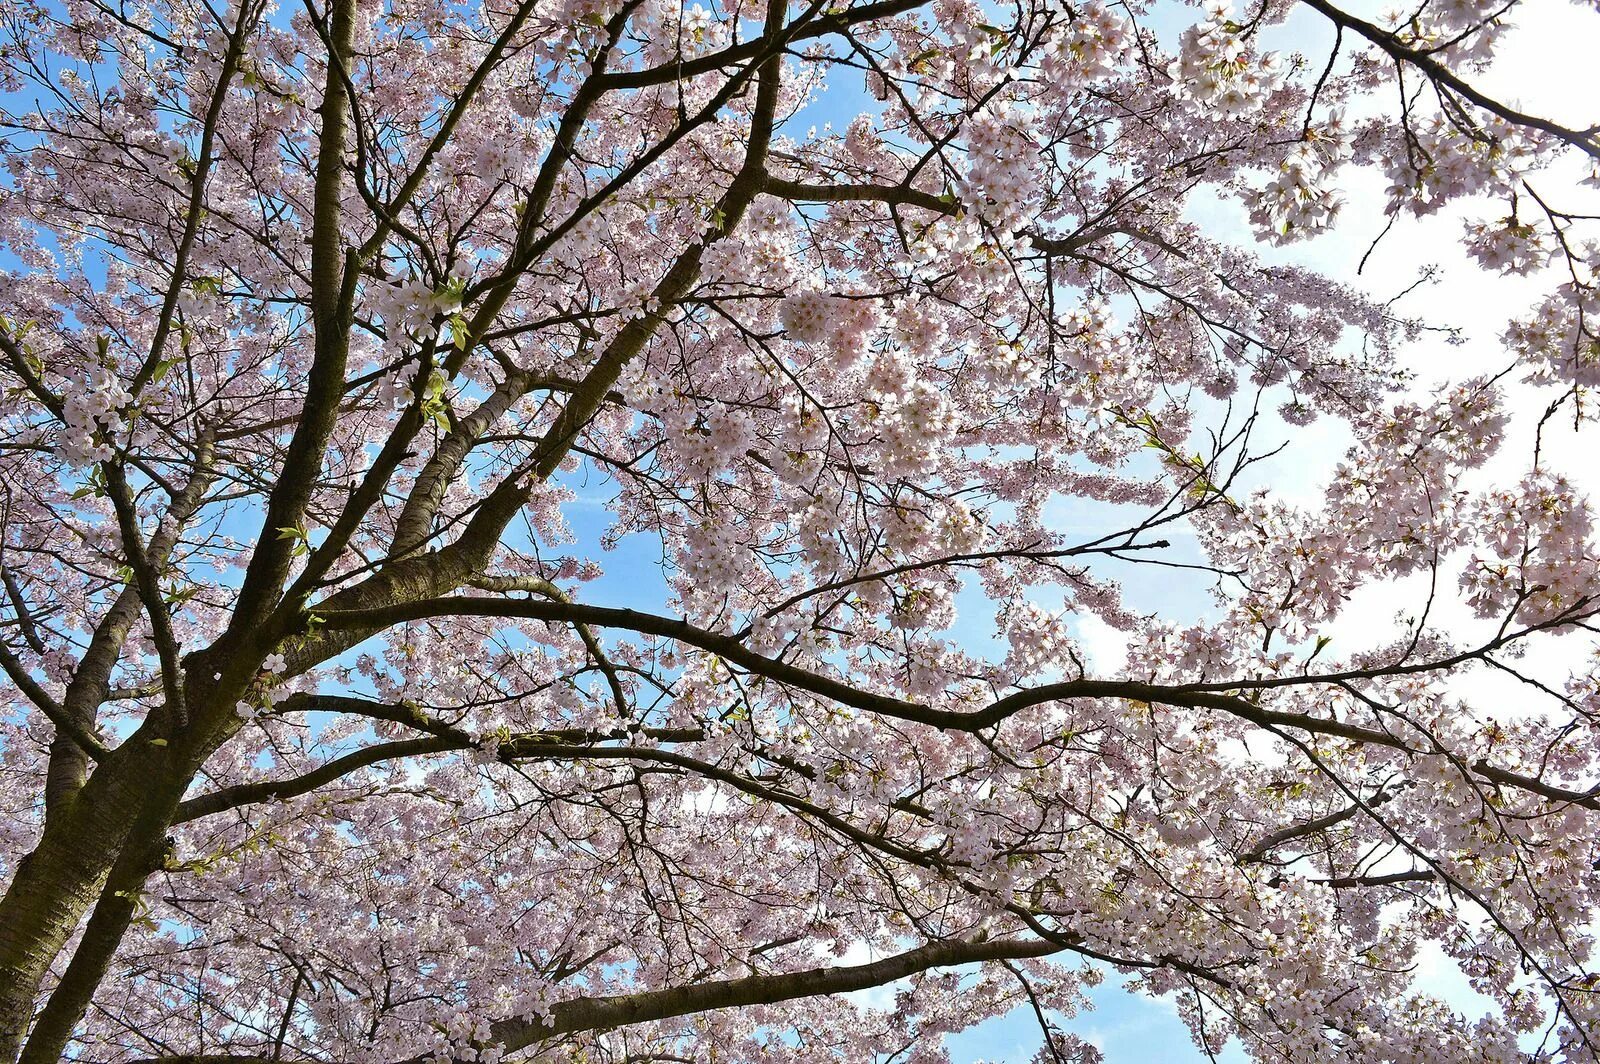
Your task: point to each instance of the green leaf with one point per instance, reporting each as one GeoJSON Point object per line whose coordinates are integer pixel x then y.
{"type": "Point", "coordinates": [300, 537]}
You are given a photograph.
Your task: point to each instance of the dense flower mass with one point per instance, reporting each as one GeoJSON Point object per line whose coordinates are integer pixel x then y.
{"type": "Point", "coordinates": [594, 530]}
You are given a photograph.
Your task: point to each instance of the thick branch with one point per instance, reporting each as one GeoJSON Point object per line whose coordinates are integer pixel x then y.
{"type": "Point", "coordinates": [332, 302]}
{"type": "Point", "coordinates": [442, 737]}
{"type": "Point", "coordinates": [621, 1010]}
{"type": "Point", "coordinates": [838, 18]}
{"type": "Point", "coordinates": [599, 1013]}
{"type": "Point", "coordinates": [36, 694]}
{"type": "Point", "coordinates": [282, 790]}
{"type": "Point", "coordinates": [1583, 140]}
{"type": "Point", "coordinates": [535, 585]}
{"type": "Point", "coordinates": [916, 712]}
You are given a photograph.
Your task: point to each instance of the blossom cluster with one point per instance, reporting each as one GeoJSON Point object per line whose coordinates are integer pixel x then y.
{"type": "Point", "coordinates": [847, 325]}
{"type": "Point", "coordinates": [1509, 246]}
{"type": "Point", "coordinates": [1542, 564]}
{"type": "Point", "coordinates": [1302, 200]}
{"type": "Point", "coordinates": [92, 416]}
{"type": "Point", "coordinates": [1434, 161]}
{"type": "Point", "coordinates": [1001, 182]}
{"type": "Point", "coordinates": [1089, 49]}
{"type": "Point", "coordinates": [1217, 67]}
{"type": "Point", "coordinates": [1040, 642]}
{"type": "Point", "coordinates": [1560, 339]}
{"type": "Point", "coordinates": [410, 305]}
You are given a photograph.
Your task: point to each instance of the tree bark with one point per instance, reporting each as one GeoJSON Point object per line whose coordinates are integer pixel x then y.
{"type": "Point", "coordinates": [142, 853]}
{"type": "Point", "coordinates": [55, 885]}
{"type": "Point", "coordinates": [110, 835]}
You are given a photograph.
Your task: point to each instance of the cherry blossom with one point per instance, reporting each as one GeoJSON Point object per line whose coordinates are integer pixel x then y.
{"type": "Point", "coordinates": [602, 530]}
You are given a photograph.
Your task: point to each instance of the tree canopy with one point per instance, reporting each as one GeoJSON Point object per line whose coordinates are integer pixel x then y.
{"type": "Point", "coordinates": [322, 326]}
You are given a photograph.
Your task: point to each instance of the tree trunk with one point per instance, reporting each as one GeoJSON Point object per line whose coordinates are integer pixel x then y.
{"type": "Point", "coordinates": [142, 854]}
{"type": "Point", "coordinates": [55, 885]}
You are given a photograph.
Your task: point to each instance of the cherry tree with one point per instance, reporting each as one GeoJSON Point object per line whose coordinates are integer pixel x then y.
{"type": "Point", "coordinates": [321, 326]}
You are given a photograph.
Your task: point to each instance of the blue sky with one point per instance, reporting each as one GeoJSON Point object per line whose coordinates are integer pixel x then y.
{"type": "Point", "coordinates": [1540, 70]}
{"type": "Point", "coordinates": [1545, 65]}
